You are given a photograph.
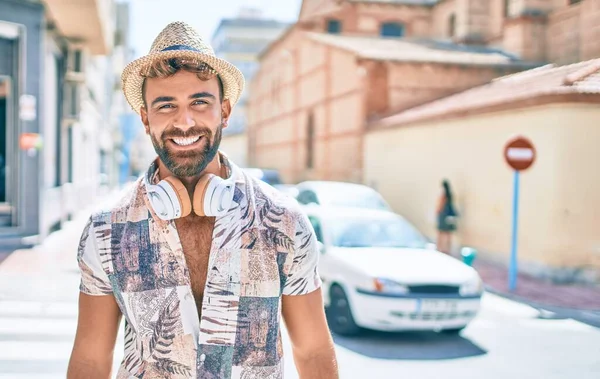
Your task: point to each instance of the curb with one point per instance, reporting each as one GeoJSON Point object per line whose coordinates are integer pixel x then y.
{"type": "Point", "coordinates": [534, 304]}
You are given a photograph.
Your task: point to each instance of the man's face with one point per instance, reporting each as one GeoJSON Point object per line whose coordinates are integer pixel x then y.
{"type": "Point", "coordinates": [184, 117]}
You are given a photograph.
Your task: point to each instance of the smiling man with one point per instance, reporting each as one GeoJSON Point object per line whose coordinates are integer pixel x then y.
{"type": "Point", "coordinates": [200, 260]}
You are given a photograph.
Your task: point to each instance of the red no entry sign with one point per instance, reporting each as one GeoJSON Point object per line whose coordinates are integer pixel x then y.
{"type": "Point", "coordinates": [519, 153]}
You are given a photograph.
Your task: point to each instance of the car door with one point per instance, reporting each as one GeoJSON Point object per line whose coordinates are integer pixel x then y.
{"type": "Point", "coordinates": [326, 263]}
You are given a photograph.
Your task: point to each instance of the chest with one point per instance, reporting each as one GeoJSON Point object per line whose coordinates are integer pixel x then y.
{"type": "Point", "coordinates": [195, 234]}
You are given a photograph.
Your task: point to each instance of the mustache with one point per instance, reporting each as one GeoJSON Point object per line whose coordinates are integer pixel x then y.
{"type": "Point", "coordinates": [191, 132]}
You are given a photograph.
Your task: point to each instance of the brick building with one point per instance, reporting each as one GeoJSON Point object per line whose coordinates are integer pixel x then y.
{"type": "Point", "coordinates": [239, 40]}
{"type": "Point", "coordinates": [401, 94]}
{"type": "Point", "coordinates": [348, 62]}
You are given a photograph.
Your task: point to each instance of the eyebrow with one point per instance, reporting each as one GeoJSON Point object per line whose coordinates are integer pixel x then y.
{"type": "Point", "coordinates": [201, 95]}
{"type": "Point", "coordinates": [198, 95]}
{"type": "Point", "coordinates": [162, 99]}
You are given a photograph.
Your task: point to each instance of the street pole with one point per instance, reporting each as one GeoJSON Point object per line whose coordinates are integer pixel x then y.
{"type": "Point", "coordinates": [520, 154]}
{"type": "Point", "coordinates": [512, 283]}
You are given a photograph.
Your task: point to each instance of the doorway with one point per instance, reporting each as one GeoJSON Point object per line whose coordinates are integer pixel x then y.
{"type": "Point", "coordinates": [6, 191]}
{"type": "Point", "coordinates": [310, 142]}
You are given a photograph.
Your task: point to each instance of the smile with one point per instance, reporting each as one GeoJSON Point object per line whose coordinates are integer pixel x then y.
{"type": "Point", "coordinates": [185, 141]}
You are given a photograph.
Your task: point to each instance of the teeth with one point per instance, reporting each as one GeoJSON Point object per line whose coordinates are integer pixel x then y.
{"type": "Point", "coordinates": [186, 141]}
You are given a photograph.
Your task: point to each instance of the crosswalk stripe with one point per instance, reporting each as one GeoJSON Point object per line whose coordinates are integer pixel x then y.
{"type": "Point", "coordinates": [36, 339]}
{"type": "Point", "coordinates": [37, 326]}
{"type": "Point", "coordinates": [35, 308]}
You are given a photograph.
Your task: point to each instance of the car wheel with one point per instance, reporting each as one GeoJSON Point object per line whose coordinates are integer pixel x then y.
{"type": "Point", "coordinates": [339, 314]}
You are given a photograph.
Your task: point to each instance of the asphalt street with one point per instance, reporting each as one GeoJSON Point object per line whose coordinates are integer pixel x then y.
{"type": "Point", "coordinates": [507, 340]}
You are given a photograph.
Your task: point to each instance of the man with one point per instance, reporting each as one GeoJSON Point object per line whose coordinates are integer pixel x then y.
{"type": "Point", "coordinates": [200, 259]}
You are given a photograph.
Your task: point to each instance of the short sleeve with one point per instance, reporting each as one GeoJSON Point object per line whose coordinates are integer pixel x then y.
{"type": "Point", "coordinates": [94, 280]}
{"type": "Point", "coordinates": [303, 277]}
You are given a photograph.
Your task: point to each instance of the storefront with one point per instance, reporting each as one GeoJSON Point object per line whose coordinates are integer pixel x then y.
{"type": "Point", "coordinates": [56, 81]}
{"type": "Point", "coordinates": [20, 68]}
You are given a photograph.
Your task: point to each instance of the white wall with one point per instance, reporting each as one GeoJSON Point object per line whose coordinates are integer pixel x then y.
{"type": "Point", "coordinates": [236, 148]}
{"type": "Point", "coordinates": [559, 201]}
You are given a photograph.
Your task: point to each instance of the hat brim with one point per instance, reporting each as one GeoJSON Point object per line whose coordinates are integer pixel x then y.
{"type": "Point", "coordinates": [133, 76]}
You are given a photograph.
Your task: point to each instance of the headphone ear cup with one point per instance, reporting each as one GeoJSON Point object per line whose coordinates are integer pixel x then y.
{"type": "Point", "coordinates": [200, 193]}
{"type": "Point", "coordinates": [182, 195]}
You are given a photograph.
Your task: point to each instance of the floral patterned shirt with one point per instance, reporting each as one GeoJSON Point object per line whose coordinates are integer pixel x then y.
{"type": "Point", "coordinates": [263, 248]}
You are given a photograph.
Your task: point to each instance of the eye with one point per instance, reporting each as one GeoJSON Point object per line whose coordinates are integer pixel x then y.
{"type": "Point", "coordinates": [166, 106]}
{"type": "Point", "coordinates": [199, 102]}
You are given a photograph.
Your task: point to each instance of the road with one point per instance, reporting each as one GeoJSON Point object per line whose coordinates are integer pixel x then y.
{"type": "Point", "coordinates": [507, 340]}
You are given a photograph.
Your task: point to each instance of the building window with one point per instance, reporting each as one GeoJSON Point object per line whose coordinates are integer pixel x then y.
{"type": "Point", "coordinates": [310, 142]}
{"type": "Point", "coordinates": [78, 61]}
{"type": "Point", "coordinates": [452, 26]}
{"type": "Point", "coordinates": [334, 26]}
{"type": "Point", "coordinates": [392, 29]}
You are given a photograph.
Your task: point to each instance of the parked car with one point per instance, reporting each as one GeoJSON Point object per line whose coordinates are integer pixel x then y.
{"type": "Point", "coordinates": [331, 193]}
{"type": "Point", "coordinates": [268, 176]}
{"type": "Point", "coordinates": [379, 272]}
{"type": "Point", "coordinates": [288, 189]}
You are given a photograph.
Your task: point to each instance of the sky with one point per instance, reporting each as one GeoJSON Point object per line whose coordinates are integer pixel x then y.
{"type": "Point", "coordinates": [149, 17]}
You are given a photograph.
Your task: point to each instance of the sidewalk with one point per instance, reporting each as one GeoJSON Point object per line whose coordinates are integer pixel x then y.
{"type": "Point", "coordinates": [58, 251]}
{"type": "Point", "coordinates": [537, 292]}
{"type": "Point", "coordinates": [38, 305]}
{"type": "Point", "coordinates": [4, 254]}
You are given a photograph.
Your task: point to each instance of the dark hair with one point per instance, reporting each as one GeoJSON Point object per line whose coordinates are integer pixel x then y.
{"type": "Point", "coordinates": [169, 67]}
{"type": "Point", "coordinates": [447, 190]}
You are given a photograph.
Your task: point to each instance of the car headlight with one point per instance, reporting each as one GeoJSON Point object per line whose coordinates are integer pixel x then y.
{"type": "Point", "coordinates": [472, 287]}
{"type": "Point", "coordinates": [388, 286]}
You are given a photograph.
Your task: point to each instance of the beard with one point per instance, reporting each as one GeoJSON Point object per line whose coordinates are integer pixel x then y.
{"type": "Point", "coordinates": [189, 163]}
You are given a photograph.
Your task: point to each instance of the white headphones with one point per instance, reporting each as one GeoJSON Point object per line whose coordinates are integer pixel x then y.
{"type": "Point", "coordinates": [213, 195]}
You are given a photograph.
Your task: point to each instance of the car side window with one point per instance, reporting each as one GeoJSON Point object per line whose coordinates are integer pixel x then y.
{"type": "Point", "coordinates": [317, 227]}
{"type": "Point", "coordinates": [307, 197]}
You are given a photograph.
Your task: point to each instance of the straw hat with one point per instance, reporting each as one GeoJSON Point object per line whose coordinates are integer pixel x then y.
{"type": "Point", "coordinates": [179, 40]}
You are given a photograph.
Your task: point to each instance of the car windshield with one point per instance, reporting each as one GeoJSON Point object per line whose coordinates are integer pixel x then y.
{"type": "Point", "coordinates": [374, 232]}
{"type": "Point", "coordinates": [355, 197]}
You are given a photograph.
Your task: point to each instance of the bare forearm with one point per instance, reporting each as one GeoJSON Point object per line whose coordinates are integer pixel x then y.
{"type": "Point", "coordinates": [86, 369]}
{"type": "Point", "coordinates": [318, 366]}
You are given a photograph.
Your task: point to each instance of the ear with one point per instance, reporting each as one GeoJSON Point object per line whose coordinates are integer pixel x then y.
{"type": "Point", "coordinates": [144, 118]}
{"type": "Point", "coordinates": [225, 112]}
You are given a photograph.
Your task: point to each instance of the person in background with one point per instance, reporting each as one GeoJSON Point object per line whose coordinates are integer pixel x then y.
{"type": "Point", "coordinates": [446, 218]}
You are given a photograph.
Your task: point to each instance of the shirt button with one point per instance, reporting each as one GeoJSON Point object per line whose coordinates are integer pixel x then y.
{"type": "Point", "coordinates": [202, 357]}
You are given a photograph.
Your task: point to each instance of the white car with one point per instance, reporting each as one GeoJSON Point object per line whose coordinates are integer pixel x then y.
{"type": "Point", "coordinates": [379, 272]}
{"type": "Point", "coordinates": [342, 194]}
{"type": "Point", "coordinates": [288, 189]}
{"type": "Point", "coordinates": [266, 175]}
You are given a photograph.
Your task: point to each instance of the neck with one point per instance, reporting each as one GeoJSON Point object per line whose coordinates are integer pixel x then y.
{"type": "Point", "coordinates": [215, 167]}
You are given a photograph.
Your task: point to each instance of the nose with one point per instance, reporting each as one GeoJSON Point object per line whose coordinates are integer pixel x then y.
{"type": "Point", "coordinates": [184, 120]}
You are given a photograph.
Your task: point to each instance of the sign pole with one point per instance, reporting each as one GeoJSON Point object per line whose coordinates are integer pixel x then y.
{"type": "Point", "coordinates": [513, 269]}
{"type": "Point", "coordinates": [520, 154]}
